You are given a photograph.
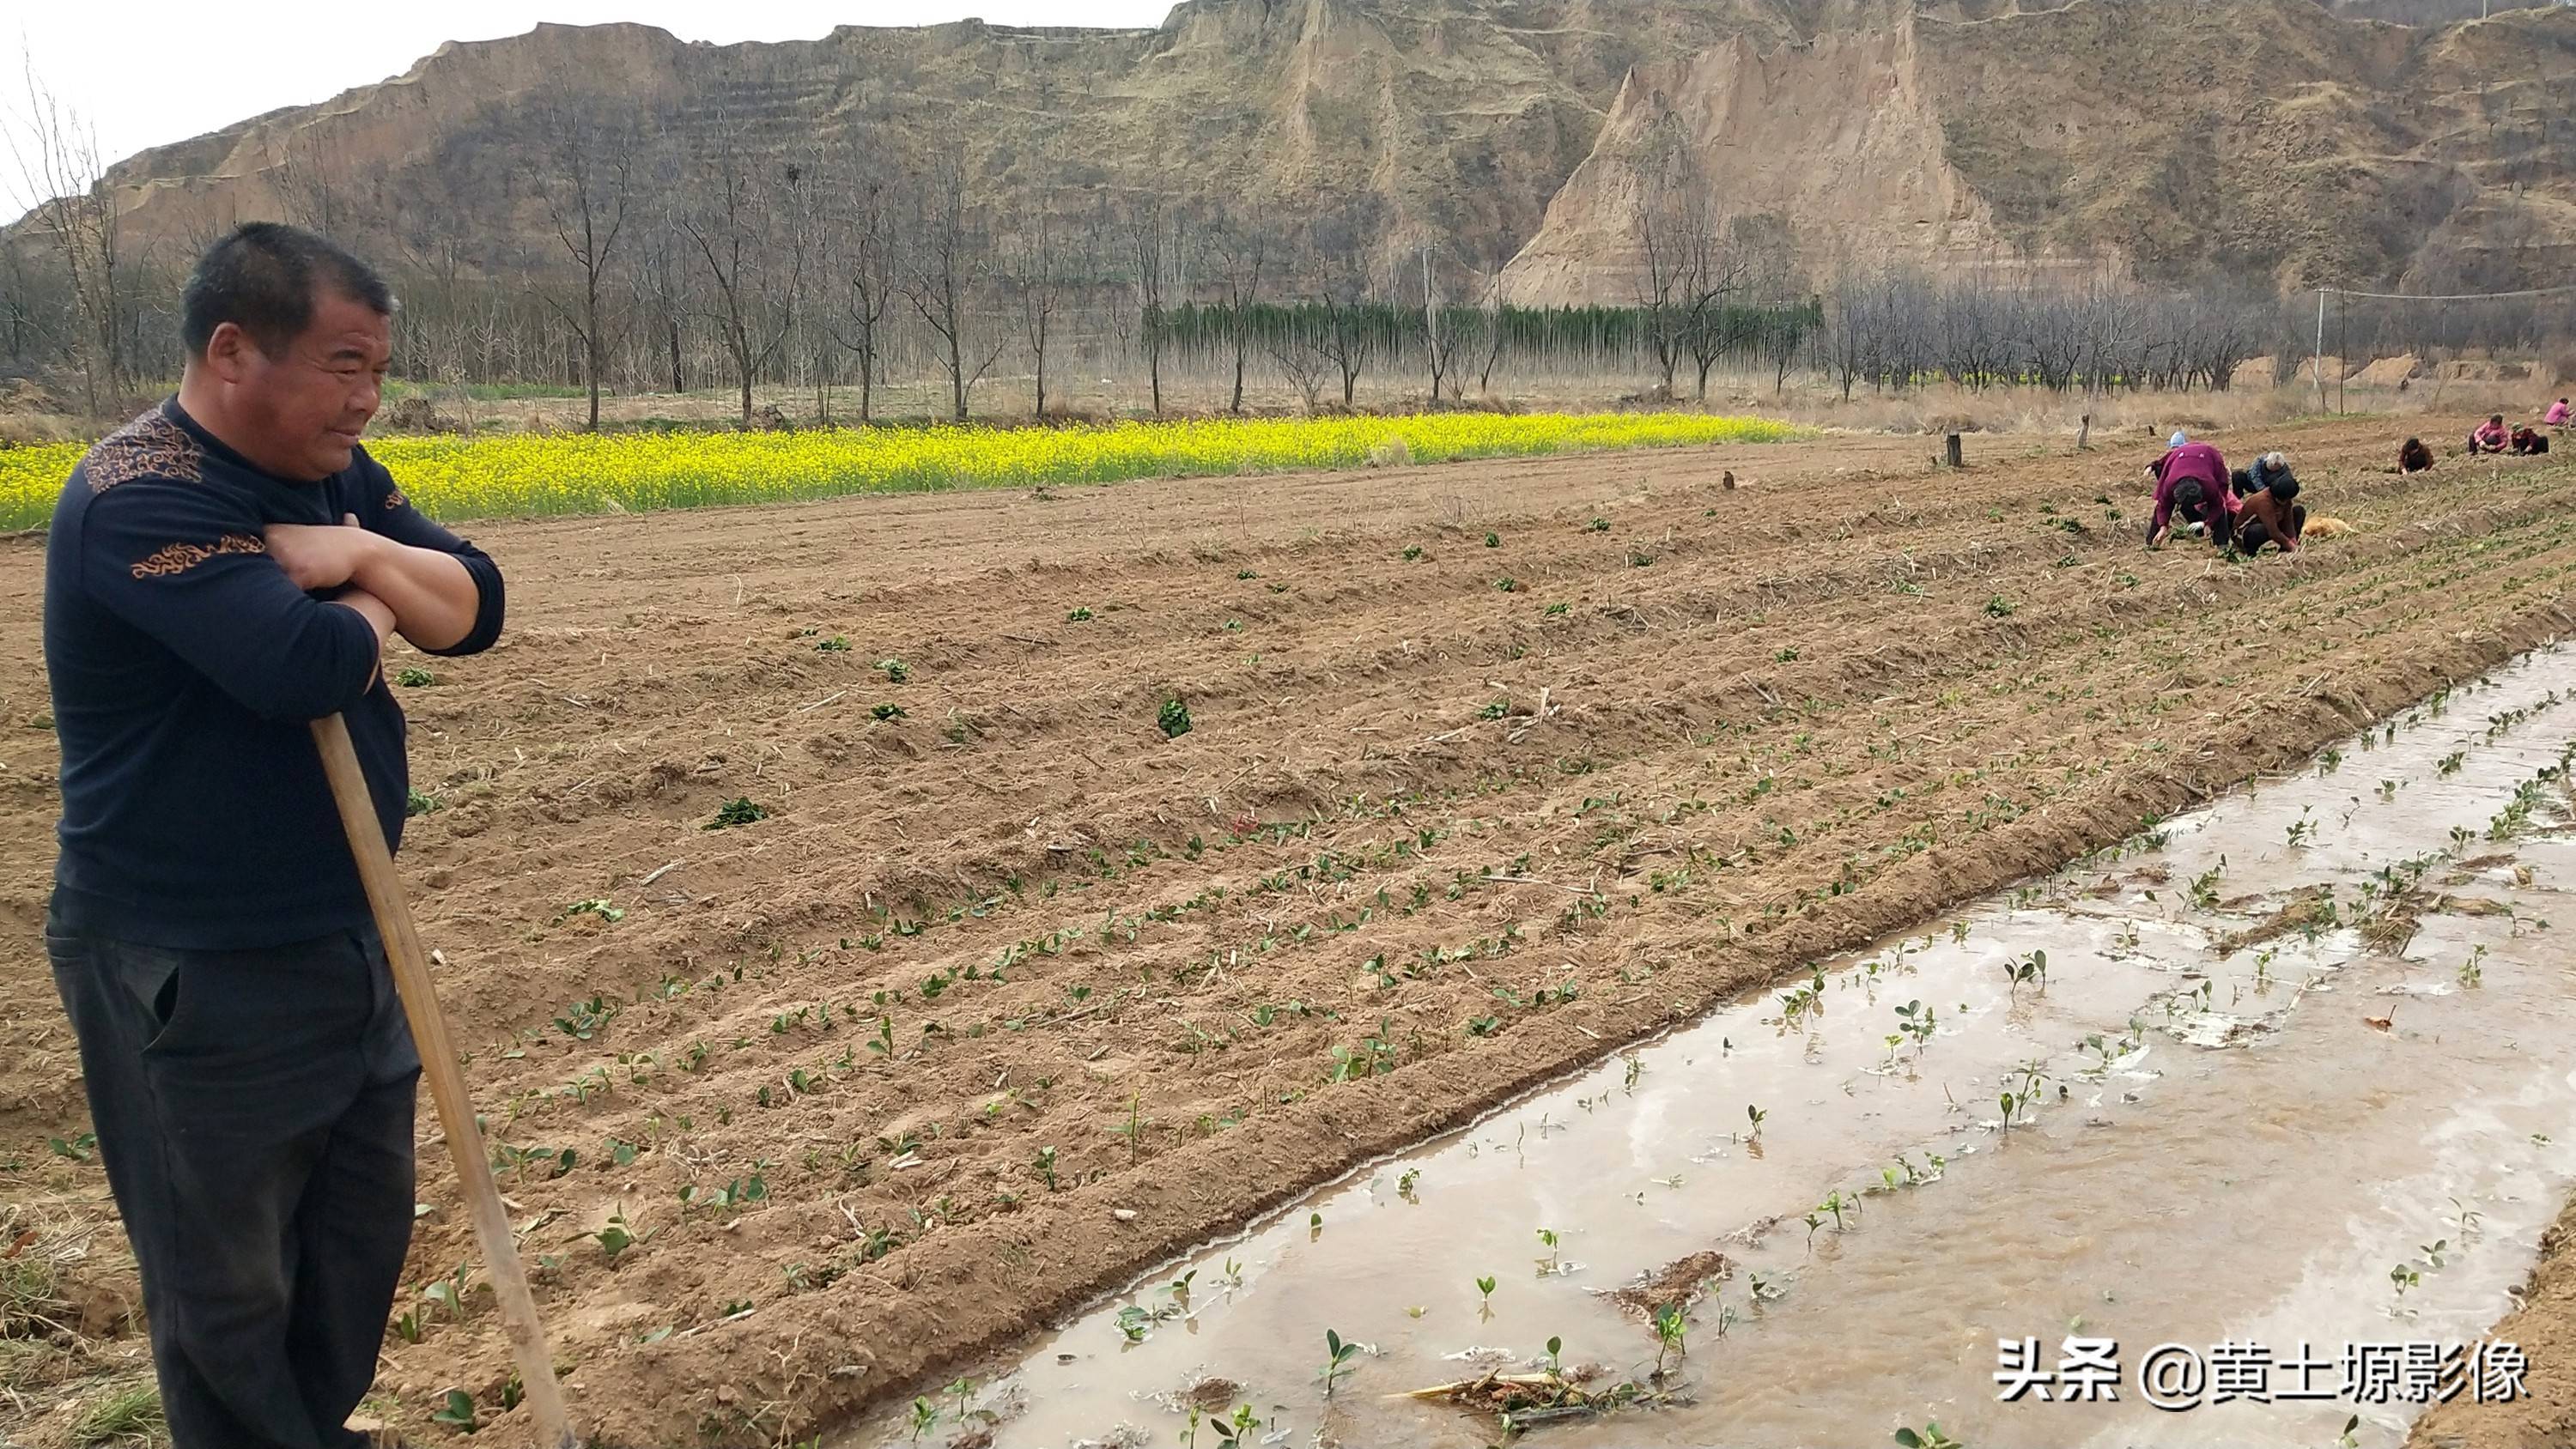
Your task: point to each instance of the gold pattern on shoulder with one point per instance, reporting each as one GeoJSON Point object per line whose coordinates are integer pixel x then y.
{"type": "Point", "coordinates": [395, 500]}
{"type": "Point", "coordinates": [177, 558]}
{"type": "Point", "coordinates": [151, 446]}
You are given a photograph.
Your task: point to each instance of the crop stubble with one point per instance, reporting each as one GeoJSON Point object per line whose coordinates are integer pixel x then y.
{"type": "Point", "coordinates": [1833, 627]}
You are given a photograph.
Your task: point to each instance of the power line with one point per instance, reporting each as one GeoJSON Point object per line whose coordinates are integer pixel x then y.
{"type": "Point", "coordinates": [2452, 297]}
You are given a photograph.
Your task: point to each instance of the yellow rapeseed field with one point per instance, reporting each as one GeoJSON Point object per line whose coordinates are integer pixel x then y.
{"type": "Point", "coordinates": [581, 473]}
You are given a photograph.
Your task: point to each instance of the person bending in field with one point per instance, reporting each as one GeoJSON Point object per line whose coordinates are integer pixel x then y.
{"type": "Point", "coordinates": [2558, 414]}
{"type": "Point", "coordinates": [2192, 480]}
{"type": "Point", "coordinates": [2268, 471]}
{"type": "Point", "coordinates": [2528, 440]}
{"type": "Point", "coordinates": [2414, 457]}
{"type": "Point", "coordinates": [2490, 437]}
{"type": "Point", "coordinates": [2271, 515]}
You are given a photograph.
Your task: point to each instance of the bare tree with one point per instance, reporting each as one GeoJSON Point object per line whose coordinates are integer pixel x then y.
{"type": "Point", "coordinates": [1438, 340]}
{"type": "Point", "coordinates": [313, 184]}
{"type": "Point", "coordinates": [1712, 277]}
{"type": "Point", "coordinates": [61, 185]}
{"type": "Point", "coordinates": [943, 276]}
{"type": "Point", "coordinates": [661, 288]}
{"type": "Point", "coordinates": [865, 274]}
{"type": "Point", "coordinates": [1150, 249]}
{"type": "Point", "coordinates": [742, 229]}
{"type": "Point", "coordinates": [586, 199]}
{"type": "Point", "coordinates": [1036, 270]}
{"type": "Point", "coordinates": [1346, 297]}
{"type": "Point", "coordinates": [1238, 244]}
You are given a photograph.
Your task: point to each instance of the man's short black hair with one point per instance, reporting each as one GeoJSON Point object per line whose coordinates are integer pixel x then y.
{"type": "Point", "coordinates": [2190, 494]}
{"type": "Point", "coordinates": [262, 278]}
{"type": "Point", "coordinates": [2284, 488]}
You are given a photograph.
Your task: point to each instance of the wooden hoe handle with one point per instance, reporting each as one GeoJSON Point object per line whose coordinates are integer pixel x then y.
{"type": "Point", "coordinates": [446, 1084]}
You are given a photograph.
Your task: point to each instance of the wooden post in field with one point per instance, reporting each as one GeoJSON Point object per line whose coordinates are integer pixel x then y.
{"type": "Point", "coordinates": [2084, 434]}
{"type": "Point", "coordinates": [1952, 454]}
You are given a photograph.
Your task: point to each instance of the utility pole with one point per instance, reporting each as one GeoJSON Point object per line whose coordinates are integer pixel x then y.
{"type": "Point", "coordinates": [2320, 353]}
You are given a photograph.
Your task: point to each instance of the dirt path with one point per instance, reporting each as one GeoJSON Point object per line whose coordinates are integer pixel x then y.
{"type": "Point", "coordinates": [1010, 997]}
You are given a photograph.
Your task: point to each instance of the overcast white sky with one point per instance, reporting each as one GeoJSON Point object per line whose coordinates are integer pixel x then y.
{"type": "Point", "coordinates": [147, 72]}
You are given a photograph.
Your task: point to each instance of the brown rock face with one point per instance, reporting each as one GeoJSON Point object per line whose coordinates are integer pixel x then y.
{"type": "Point", "coordinates": [2267, 136]}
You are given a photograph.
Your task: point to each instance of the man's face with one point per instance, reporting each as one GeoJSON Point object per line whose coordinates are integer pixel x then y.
{"type": "Point", "coordinates": [304, 409]}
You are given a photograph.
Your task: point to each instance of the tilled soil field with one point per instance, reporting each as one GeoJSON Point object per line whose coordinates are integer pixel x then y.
{"type": "Point", "coordinates": [1489, 769]}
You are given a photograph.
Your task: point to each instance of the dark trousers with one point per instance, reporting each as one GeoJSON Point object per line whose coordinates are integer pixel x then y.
{"type": "Point", "coordinates": [2210, 515]}
{"type": "Point", "coordinates": [254, 1114]}
{"type": "Point", "coordinates": [2251, 538]}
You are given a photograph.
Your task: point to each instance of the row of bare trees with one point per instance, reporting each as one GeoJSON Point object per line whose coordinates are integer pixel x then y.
{"type": "Point", "coordinates": [744, 258]}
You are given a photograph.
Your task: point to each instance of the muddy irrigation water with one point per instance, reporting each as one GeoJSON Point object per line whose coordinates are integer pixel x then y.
{"type": "Point", "coordinates": [2297, 1076]}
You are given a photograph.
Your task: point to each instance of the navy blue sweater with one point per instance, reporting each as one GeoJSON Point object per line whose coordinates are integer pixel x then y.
{"type": "Point", "coordinates": [185, 665]}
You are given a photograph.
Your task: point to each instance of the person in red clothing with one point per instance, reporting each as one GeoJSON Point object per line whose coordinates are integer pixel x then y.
{"type": "Point", "coordinates": [2191, 479]}
{"type": "Point", "coordinates": [2492, 438]}
{"type": "Point", "coordinates": [2528, 439]}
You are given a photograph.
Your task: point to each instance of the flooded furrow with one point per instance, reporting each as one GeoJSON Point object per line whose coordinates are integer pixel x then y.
{"type": "Point", "coordinates": [2288, 1072]}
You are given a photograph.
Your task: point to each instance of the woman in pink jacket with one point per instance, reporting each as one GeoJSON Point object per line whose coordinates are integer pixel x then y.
{"type": "Point", "coordinates": [2491, 438]}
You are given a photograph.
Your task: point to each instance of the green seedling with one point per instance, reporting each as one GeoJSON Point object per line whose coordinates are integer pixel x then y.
{"type": "Point", "coordinates": [1555, 1349]}
{"type": "Point", "coordinates": [1672, 1335]}
{"type": "Point", "coordinates": [1134, 1323]}
{"type": "Point", "coordinates": [1235, 1432]}
{"type": "Point", "coordinates": [1599, 525]}
{"type": "Point", "coordinates": [2466, 1219]}
{"type": "Point", "coordinates": [2388, 789]}
{"type": "Point", "coordinates": [896, 671]}
{"type": "Point", "coordinates": [1133, 1129]}
{"type": "Point", "coordinates": [2404, 1276]}
{"type": "Point", "coordinates": [1493, 540]}
{"type": "Point", "coordinates": [1784, 656]}
{"type": "Point", "coordinates": [618, 1236]}
{"type": "Point", "coordinates": [1174, 717]}
{"type": "Point", "coordinates": [886, 712]}
{"type": "Point", "coordinates": [77, 1149]}
{"type": "Point", "coordinates": [1834, 1204]}
{"type": "Point", "coordinates": [924, 1415]}
{"type": "Point", "coordinates": [1915, 1020]}
{"type": "Point", "coordinates": [738, 811]}
{"type": "Point", "coordinates": [1507, 584]}
{"type": "Point", "coordinates": [1338, 1354]}
{"type": "Point", "coordinates": [1755, 1115]}
{"type": "Point", "coordinates": [1485, 1292]}
{"type": "Point", "coordinates": [1928, 1437]}
{"type": "Point", "coordinates": [2033, 967]}
{"type": "Point", "coordinates": [1180, 1289]}
{"type": "Point", "coordinates": [457, 1412]}
{"type": "Point", "coordinates": [1413, 553]}
{"type": "Point", "coordinates": [2303, 830]}
{"type": "Point", "coordinates": [417, 804]}
{"type": "Point", "coordinates": [1078, 616]}
{"type": "Point", "coordinates": [837, 644]}
{"type": "Point", "coordinates": [2473, 974]}
{"type": "Point", "coordinates": [2450, 764]}
{"type": "Point", "coordinates": [415, 678]}
{"type": "Point", "coordinates": [2000, 607]}
{"type": "Point", "coordinates": [2434, 1250]}
{"type": "Point", "coordinates": [2350, 1438]}
{"type": "Point", "coordinates": [1547, 1239]}
{"type": "Point", "coordinates": [1045, 1166]}
{"type": "Point", "coordinates": [600, 908]}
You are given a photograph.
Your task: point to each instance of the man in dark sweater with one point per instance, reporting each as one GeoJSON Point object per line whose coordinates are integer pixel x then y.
{"type": "Point", "coordinates": [220, 571]}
